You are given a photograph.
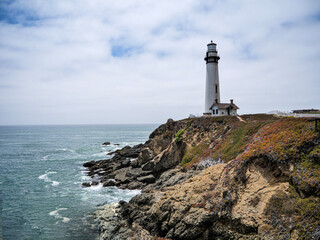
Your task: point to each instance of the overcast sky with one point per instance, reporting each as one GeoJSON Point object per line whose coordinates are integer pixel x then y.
{"type": "Point", "coordinates": [141, 61]}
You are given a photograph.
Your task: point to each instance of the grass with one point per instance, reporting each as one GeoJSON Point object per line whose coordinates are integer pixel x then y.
{"type": "Point", "coordinates": [237, 140]}
{"type": "Point", "coordinates": [193, 154]}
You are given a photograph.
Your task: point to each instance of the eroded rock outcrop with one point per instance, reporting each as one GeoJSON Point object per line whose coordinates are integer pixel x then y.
{"type": "Point", "coordinates": [218, 178]}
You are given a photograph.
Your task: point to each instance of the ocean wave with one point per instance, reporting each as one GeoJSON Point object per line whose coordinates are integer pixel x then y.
{"type": "Point", "coordinates": [45, 178]}
{"type": "Point", "coordinates": [101, 154]}
{"type": "Point", "coordinates": [66, 150]}
{"type": "Point", "coordinates": [85, 178]}
{"type": "Point", "coordinates": [56, 214]}
{"type": "Point", "coordinates": [55, 183]}
{"type": "Point", "coordinates": [97, 187]}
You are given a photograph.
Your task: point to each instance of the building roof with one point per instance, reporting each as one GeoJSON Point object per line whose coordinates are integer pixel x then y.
{"type": "Point", "coordinates": [305, 110]}
{"type": "Point", "coordinates": [224, 105]}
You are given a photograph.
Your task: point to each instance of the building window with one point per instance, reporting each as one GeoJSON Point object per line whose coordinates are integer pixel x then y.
{"type": "Point", "coordinates": [213, 112]}
{"type": "Point", "coordinates": [216, 88]}
{"type": "Point", "coordinates": [216, 111]}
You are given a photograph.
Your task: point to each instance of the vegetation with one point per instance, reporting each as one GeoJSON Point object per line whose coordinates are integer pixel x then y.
{"type": "Point", "coordinates": [193, 154]}
{"type": "Point", "coordinates": [288, 212]}
{"type": "Point", "coordinates": [281, 139]}
{"type": "Point", "coordinates": [179, 136]}
{"type": "Point", "coordinates": [236, 142]}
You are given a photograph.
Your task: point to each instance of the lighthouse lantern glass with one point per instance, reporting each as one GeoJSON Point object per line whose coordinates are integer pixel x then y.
{"type": "Point", "coordinates": [211, 47]}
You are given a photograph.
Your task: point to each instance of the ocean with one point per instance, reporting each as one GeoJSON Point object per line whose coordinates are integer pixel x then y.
{"type": "Point", "coordinates": [41, 176]}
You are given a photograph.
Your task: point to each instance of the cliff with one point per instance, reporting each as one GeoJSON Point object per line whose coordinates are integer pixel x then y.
{"type": "Point", "coordinates": [255, 177]}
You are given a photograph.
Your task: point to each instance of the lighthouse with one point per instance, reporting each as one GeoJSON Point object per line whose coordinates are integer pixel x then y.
{"type": "Point", "coordinates": [212, 94]}
{"type": "Point", "coordinates": [213, 106]}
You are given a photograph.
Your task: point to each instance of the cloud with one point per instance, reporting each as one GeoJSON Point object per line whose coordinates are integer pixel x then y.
{"type": "Point", "coordinates": [141, 61]}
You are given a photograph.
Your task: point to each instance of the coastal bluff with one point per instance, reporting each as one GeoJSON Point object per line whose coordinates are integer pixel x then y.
{"type": "Point", "coordinates": [254, 177]}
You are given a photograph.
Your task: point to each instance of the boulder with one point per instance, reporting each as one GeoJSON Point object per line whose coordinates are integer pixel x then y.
{"type": "Point", "coordinates": [137, 172]}
{"type": "Point", "coordinates": [135, 163]}
{"type": "Point", "coordinates": [94, 183]}
{"type": "Point", "coordinates": [149, 166]}
{"type": "Point", "coordinates": [89, 164]}
{"type": "Point", "coordinates": [109, 183]}
{"type": "Point", "coordinates": [125, 163]}
{"type": "Point", "coordinates": [120, 175]}
{"type": "Point", "coordinates": [145, 155]}
{"type": "Point", "coordinates": [86, 184]}
{"type": "Point", "coordinates": [147, 179]}
{"type": "Point", "coordinates": [135, 185]}
{"type": "Point", "coordinates": [106, 143]}
{"type": "Point", "coordinates": [170, 158]}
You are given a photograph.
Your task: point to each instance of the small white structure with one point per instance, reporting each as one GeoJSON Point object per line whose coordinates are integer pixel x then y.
{"type": "Point", "coordinates": [224, 109]}
{"type": "Point", "coordinates": [213, 106]}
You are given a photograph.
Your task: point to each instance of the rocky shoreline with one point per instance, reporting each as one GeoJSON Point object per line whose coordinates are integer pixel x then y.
{"type": "Point", "coordinates": [214, 178]}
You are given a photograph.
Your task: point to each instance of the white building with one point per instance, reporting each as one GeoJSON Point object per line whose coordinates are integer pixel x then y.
{"type": "Point", "coordinates": [224, 109]}
{"type": "Point", "coordinates": [213, 106]}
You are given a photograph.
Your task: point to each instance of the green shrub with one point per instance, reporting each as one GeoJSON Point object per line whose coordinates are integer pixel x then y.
{"type": "Point", "coordinates": [179, 136]}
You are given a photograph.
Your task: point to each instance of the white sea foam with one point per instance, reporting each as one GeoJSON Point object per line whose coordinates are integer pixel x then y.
{"type": "Point", "coordinates": [65, 219]}
{"type": "Point", "coordinates": [45, 177]}
{"type": "Point", "coordinates": [56, 214]}
{"type": "Point", "coordinates": [85, 178]}
{"type": "Point", "coordinates": [66, 150]}
{"type": "Point", "coordinates": [55, 183]}
{"type": "Point", "coordinates": [101, 154]}
{"type": "Point", "coordinates": [96, 187]}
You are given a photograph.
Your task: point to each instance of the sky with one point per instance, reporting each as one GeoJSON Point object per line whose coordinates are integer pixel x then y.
{"type": "Point", "coordinates": [142, 61]}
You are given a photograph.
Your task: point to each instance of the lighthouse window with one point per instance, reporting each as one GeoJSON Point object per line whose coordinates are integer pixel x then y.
{"type": "Point", "coordinates": [216, 88]}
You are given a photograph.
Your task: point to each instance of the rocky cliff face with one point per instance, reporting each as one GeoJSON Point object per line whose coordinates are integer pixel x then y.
{"type": "Point", "coordinates": [217, 178]}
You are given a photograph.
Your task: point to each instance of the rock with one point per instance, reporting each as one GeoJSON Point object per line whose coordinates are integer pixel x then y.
{"type": "Point", "coordinates": [170, 120]}
{"type": "Point", "coordinates": [110, 226]}
{"type": "Point", "coordinates": [94, 183]}
{"type": "Point", "coordinates": [135, 185]}
{"type": "Point", "coordinates": [149, 166]}
{"type": "Point", "coordinates": [89, 164]}
{"type": "Point", "coordinates": [120, 175]}
{"type": "Point", "coordinates": [106, 143]}
{"type": "Point", "coordinates": [145, 155]}
{"type": "Point", "coordinates": [137, 172]}
{"type": "Point", "coordinates": [109, 183]}
{"type": "Point", "coordinates": [171, 158]}
{"type": "Point", "coordinates": [125, 163]}
{"type": "Point", "coordinates": [86, 184]}
{"type": "Point", "coordinates": [147, 179]}
{"type": "Point", "coordinates": [142, 199]}
{"type": "Point", "coordinates": [173, 177]}
{"type": "Point", "coordinates": [135, 163]}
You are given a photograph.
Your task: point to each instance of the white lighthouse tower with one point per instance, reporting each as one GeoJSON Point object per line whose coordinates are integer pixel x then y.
{"type": "Point", "coordinates": [212, 78]}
